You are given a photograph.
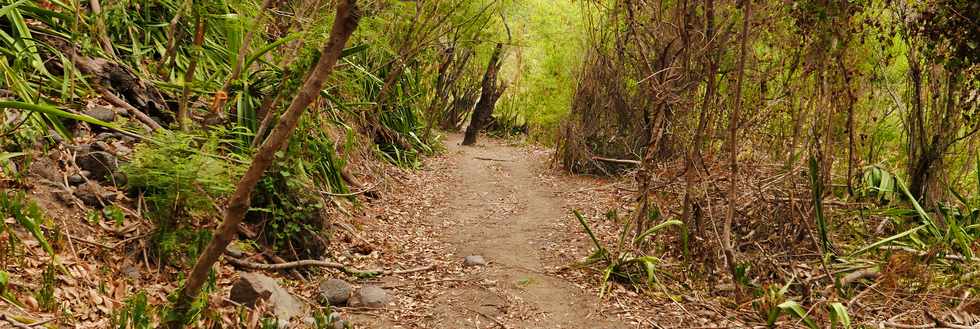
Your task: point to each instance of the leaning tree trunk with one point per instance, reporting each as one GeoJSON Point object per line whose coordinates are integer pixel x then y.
{"type": "Point", "coordinates": [488, 98]}
{"type": "Point", "coordinates": [344, 24]}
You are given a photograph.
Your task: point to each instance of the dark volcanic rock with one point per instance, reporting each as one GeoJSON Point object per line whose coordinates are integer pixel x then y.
{"type": "Point", "coordinates": [100, 164]}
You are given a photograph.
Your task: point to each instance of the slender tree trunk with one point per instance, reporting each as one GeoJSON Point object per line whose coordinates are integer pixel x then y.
{"type": "Point", "coordinates": [344, 25]}
{"type": "Point", "coordinates": [488, 97]}
{"type": "Point", "coordinates": [695, 161]}
{"type": "Point", "coordinates": [169, 55]}
{"type": "Point", "coordinates": [183, 117]}
{"type": "Point", "coordinates": [441, 89]}
{"type": "Point", "coordinates": [852, 153]}
{"type": "Point", "coordinates": [727, 240]}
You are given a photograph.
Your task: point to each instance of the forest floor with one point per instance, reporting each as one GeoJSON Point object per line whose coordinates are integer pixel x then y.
{"type": "Point", "coordinates": [504, 203]}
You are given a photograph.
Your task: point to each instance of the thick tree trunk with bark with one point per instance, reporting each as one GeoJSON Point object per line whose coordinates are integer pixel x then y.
{"type": "Point", "coordinates": [343, 26]}
{"type": "Point", "coordinates": [488, 98]}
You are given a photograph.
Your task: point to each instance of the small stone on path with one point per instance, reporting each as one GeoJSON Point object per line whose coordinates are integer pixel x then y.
{"type": "Point", "coordinates": [474, 260]}
{"type": "Point", "coordinates": [335, 291]}
{"type": "Point", "coordinates": [370, 296]}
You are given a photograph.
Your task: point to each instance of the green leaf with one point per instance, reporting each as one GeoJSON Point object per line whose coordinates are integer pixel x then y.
{"type": "Point", "coordinates": [816, 186]}
{"type": "Point", "coordinates": [51, 110]}
{"type": "Point", "coordinates": [922, 213]}
{"type": "Point", "coordinates": [10, 155]}
{"type": "Point", "coordinates": [655, 229]}
{"type": "Point", "coordinates": [838, 315]}
{"type": "Point", "coordinates": [6, 9]}
{"type": "Point", "coordinates": [269, 47]}
{"type": "Point", "coordinates": [605, 279]}
{"type": "Point", "coordinates": [796, 310]}
{"type": "Point", "coordinates": [588, 230]}
{"type": "Point", "coordinates": [887, 240]}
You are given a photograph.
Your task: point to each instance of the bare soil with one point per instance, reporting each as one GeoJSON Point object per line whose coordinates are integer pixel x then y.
{"type": "Point", "coordinates": [498, 203]}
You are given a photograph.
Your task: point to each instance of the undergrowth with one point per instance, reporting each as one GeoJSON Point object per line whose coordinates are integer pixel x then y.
{"type": "Point", "coordinates": [182, 178]}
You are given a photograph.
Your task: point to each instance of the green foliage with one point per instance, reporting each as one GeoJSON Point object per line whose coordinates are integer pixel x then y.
{"type": "Point", "coordinates": [839, 318]}
{"type": "Point", "coordinates": [621, 264]}
{"type": "Point", "coordinates": [816, 186]}
{"type": "Point", "coordinates": [878, 184]}
{"type": "Point", "coordinates": [27, 214]}
{"type": "Point", "coordinates": [794, 309]}
{"type": "Point", "coordinates": [550, 36]}
{"type": "Point", "coordinates": [181, 177]}
{"type": "Point", "coordinates": [45, 295]}
{"type": "Point", "coordinates": [5, 292]}
{"type": "Point", "coordinates": [199, 307]}
{"type": "Point", "coordinates": [136, 313]}
{"type": "Point", "coordinates": [767, 304]}
{"type": "Point", "coordinates": [960, 231]}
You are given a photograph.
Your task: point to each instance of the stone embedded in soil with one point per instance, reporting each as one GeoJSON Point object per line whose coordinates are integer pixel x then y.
{"type": "Point", "coordinates": [335, 291]}
{"type": "Point", "coordinates": [131, 272]}
{"type": "Point", "coordinates": [76, 179]}
{"type": "Point", "coordinates": [89, 193]}
{"type": "Point", "coordinates": [252, 287]}
{"type": "Point", "coordinates": [474, 260]}
{"type": "Point", "coordinates": [370, 296]}
{"type": "Point", "coordinates": [119, 179]}
{"type": "Point", "coordinates": [99, 163]}
{"type": "Point", "coordinates": [102, 113]}
{"type": "Point", "coordinates": [45, 168]}
{"type": "Point", "coordinates": [234, 250]}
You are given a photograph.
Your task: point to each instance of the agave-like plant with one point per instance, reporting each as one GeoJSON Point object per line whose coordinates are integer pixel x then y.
{"type": "Point", "coordinates": [622, 262]}
{"type": "Point", "coordinates": [961, 224]}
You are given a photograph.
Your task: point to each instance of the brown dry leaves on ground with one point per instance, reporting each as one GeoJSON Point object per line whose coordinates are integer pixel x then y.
{"type": "Point", "coordinates": [104, 263]}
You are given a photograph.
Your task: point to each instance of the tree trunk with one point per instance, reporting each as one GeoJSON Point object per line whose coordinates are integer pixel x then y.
{"type": "Point", "coordinates": [727, 241]}
{"type": "Point", "coordinates": [344, 24]}
{"type": "Point", "coordinates": [488, 97]}
{"type": "Point", "coordinates": [695, 158]}
{"type": "Point", "coordinates": [183, 111]}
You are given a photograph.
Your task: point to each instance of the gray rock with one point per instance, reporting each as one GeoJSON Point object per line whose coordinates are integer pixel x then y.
{"type": "Point", "coordinates": [340, 324]}
{"type": "Point", "coordinates": [89, 193]}
{"type": "Point", "coordinates": [105, 136]}
{"type": "Point", "coordinates": [234, 250]}
{"type": "Point", "coordinates": [76, 179]}
{"type": "Point", "coordinates": [100, 146]}
{"type": "Point", "coordinates": [46, 168]}
{"type": "Point", "coordinates": [370, 296]}
{"type": "Point", "coordinates": [252, 287]}
{"type": "Point", "coordinates": [58, 139]}
{"type": "Point", "coordinates": [131, 272]}
{"type": "Point", "coordinates": [474, 260]}
{"type": "Point", "coordinates": [99, 163]}
{"type": "Point", "coordinates": [121, 150]}
{"type": "Point", "coordinates": [102, 113]}
{"type": "Point", "coordinates": [119, 179]}
{"type": "Point", "coordinates": [335, 291]}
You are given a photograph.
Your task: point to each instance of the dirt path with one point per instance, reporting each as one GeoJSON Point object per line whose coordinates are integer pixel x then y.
{"type": "Point", "coordinates": [503, 211]}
